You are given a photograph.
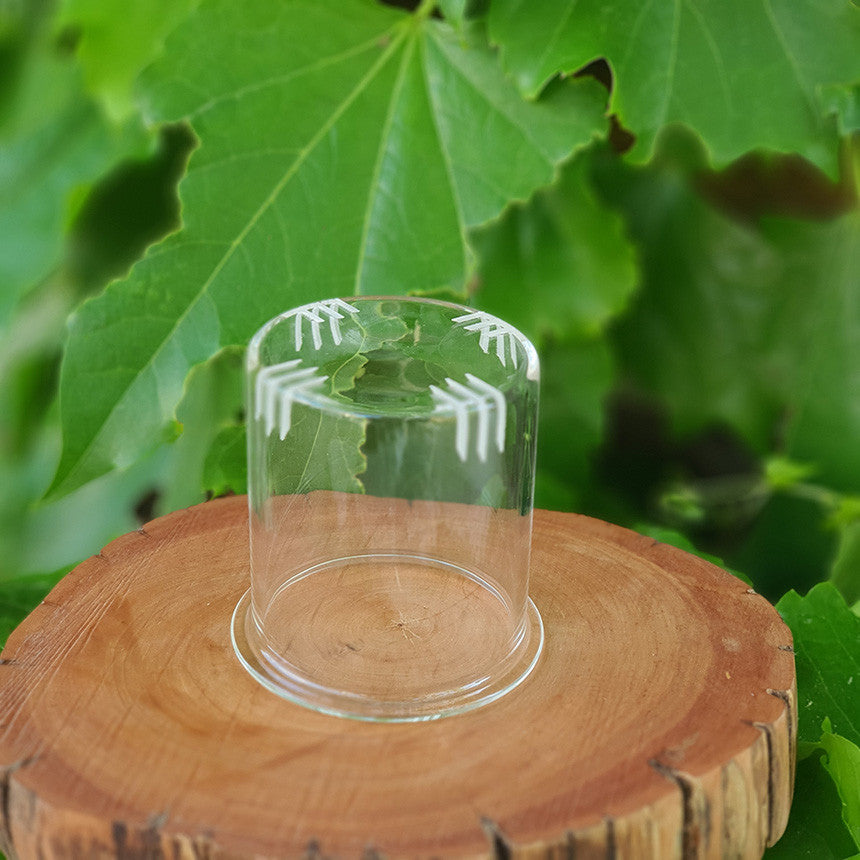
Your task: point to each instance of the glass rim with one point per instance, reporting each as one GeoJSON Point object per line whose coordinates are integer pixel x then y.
{"type": "Point", "coordinates": [327, 404]}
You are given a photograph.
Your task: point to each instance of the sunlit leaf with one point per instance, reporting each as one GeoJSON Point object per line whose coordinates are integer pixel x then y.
{"type": "Point", "coordinates": [400, 136]}
{"type": "Point", "coordinates": [743, 75]}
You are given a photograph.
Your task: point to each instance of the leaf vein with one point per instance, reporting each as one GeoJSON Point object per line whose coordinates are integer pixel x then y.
{"type": "Point", "coordinates": [276, 80]}
{"type": "Point", "coordinates": [377, 167]}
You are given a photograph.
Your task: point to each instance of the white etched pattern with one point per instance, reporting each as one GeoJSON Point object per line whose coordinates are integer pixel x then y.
{"type": "Point", "coordinates": [276, 387]}
{"type": "Point", "coordinates": [316, 314]}
{"type": "Point", "coordinates": [480, 397]}
{"type": "Point", "coordinates": [493, 331]}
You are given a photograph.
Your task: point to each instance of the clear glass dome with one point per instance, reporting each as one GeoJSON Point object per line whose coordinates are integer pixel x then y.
{"type": "Point", "coordinates": [391, 449]}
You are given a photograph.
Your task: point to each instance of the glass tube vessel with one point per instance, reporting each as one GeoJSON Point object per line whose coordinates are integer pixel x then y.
{"type": "Point", "coordinates": [391, 450]}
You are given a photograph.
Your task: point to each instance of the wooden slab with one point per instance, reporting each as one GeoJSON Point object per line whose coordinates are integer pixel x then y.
{"type": "Point", "coordinates": [658, 724]}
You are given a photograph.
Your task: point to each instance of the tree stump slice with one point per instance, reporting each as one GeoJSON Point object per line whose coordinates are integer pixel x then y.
{"type": "Point", "coordinates": [659, 722]}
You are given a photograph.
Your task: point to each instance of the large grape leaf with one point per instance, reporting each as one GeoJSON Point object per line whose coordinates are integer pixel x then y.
{"type": "Point", "coordinates": [742, 325]}
{"type": "Point", "coordinates": [344, 147]}
{"type": "Point", "coordinates": [744, 75]}
{"type": "Point", "coordinates": [559, 264]}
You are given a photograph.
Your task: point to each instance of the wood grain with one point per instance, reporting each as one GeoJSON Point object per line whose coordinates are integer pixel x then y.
{"type": "Point", "coordinates": [658, 724]}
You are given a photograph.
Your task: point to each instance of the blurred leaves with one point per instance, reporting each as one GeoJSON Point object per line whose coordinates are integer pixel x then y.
{"type": "Point", "coordinates": [752, 326]}
{"type": "Point", "coordinates": [576, 378]}
{"type": "Point", "coordinates": [53, 144]}
{"type": "Point", "coordinates": [564, 250]}
{"type": "Point", "coordinates": [19, 596]}
{"type": "Point", "coordinates": [81, 197]}
{"type": "Point", "coordinates": [699, 331]}
{"type": "Point", "coordinates": [821, 283]}
{"type": "Point", "coordinates": [115, 40]}
{"type": "Point", "coordinates": [743, 75]}
{"type": "Point", "coordinates": [845, 573]}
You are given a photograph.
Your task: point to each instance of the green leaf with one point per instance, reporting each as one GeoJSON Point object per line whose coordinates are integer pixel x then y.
{"type": "Point", "coordinates": [576, 376]}
{"type": "Point", "coordinates": [226, 467]}
{"type": "Point", "coordinates": [19, 596]}
{"type": "Point", "coordinates": [815, 828]}
{"type": "Point", "coordinates": [53, 144]}
{"type": "Point", "coordinates": [788, 545]}
{"type": "Point", "coordinates": [460, 12]}
{"type": "Point", "coordinates": [743, 326]}
{"type": "Point", "coordinates": [454, 10]}
{"type": "Point", "coordinates": [325, 454]}
{"type": "Point", "coordinates": [64, 531]}
{"type": "Point", "coordinates": [845, 103]}
{"type": "Point", "coordinates": [699, 331]}
{"type": "Point", "coordinates": [399, 137]}
{"type": "Point", "coordinates": [743, 75]}
{"type": "Point", "coordinates": [781, 473]}
{"type": "Point", "coordinates": [822, 279]}
{"type": "Point", "coordinates": [559, 264]}
{"type": "Point", "coordinates": [827, 656]}
{"type": "Point", "coordinates": [212, 401]}
{"type": "Point", "coordinates": [845, 573]}
{"type": "Point", "coordinates": [116, 40]}
{"type": "Point", "coordinates": [843, 765]}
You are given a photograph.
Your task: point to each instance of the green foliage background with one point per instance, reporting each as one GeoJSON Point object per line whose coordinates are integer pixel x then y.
{"type": "Point", "coordinates": [662, 195]}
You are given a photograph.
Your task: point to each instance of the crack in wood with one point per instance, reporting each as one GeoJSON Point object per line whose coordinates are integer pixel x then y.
{"type": "Point", "coordinates": [6, 843]}
{"type": "Point", "coordinates": [499, 844]}
{"type": "Point", "coordinates": [771, 777]}
{"type": "Point", "coordinates": [611, 846]}
{"type": "Point", "coordinates": [696, 827]}
{"type": "Point", "coordinates": [786, 697]}
{"type": "Point", "coordinates": [312, 851]}
{"type": "Point", "coordinates": [774, 828]}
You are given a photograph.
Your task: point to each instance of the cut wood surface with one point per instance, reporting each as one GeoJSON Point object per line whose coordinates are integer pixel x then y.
{"type": "Point", "coordinates": [659, 722]}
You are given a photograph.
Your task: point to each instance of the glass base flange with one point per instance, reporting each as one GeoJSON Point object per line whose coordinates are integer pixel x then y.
{"type": "Point", "coordinates": [387, 638]}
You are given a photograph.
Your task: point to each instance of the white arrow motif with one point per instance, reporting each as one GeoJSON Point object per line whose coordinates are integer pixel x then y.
{"type": "Point", "coordinates": [278, 385]}
{"type": "Point", "coordinates": [493, 329]}
{"type": "Point", "coordinates": [317, 313]}
{"type": "Point", "coordinates": [481, 397]}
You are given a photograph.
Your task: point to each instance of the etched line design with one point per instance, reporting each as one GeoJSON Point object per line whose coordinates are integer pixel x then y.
{"type": "Point", "coordinates": [485, 400]}
{"type": "Point", "coordinates": [316, 314]}
{"type": "Point", "coordinates": [493, 330]}
{"type": "Point", "coordinates": [276, 387]}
